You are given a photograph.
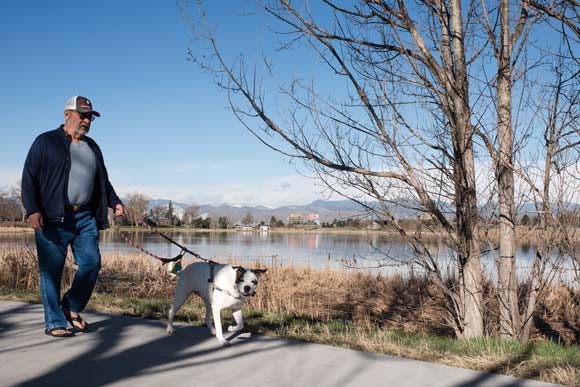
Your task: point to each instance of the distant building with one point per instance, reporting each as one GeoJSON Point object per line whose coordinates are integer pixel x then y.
{"type": "Point", "coordinates": [244, 227]}
{"type": "Point", "coordinates": [295, 219]}
{"type": "Point", "coordinates": [312, 218]}
{"type": "Point", "coordinates": [299, 219]}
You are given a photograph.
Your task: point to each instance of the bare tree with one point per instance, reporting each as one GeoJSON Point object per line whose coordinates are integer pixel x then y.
{"type": "Point", "coordinates": [191, 213]}
{"type": "Point", "coordinates": [136, 204]}
{"type": "Point", "coordinates": [506, 46]}
{"type": "Point", "coordinates": [414, 96]}
{"type": "Point", "coordinates": [370, 143]}
{"type": "Point", "coordinates": [554, 184]}
{"type": "Point", "coordinates": [564, 17]}
{"type": "Point", "coordinates": [16, 192]}
{"type": "Point", "coordinates": [248, 219]}
{"type": "Point", "coordinates": [157, 213]}
{"type": "Point", "coordinates": [515, 22]}
{"type": "Point", "coordinates": [169, 214]}
{"type": "Point", "coordinates": [10, 209]}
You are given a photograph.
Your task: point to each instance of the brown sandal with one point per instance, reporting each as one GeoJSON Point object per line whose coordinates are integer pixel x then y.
{"type": "Point", "coordinates": [54, 332]}
{"type": "Point", "coordinates": [83, 325]}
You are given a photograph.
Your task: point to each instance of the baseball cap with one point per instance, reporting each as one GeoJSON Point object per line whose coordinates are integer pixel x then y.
{"type": "Point", "coordinates": [81, 105]}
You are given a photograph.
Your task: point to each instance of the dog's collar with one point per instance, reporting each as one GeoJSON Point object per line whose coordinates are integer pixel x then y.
{"type": "Point", "coordinates": [238, 297]}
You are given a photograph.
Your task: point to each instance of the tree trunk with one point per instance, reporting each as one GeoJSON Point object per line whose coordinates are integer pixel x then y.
{"type": "Point", "coordinates": [465, 189]}
{"type": "Point", "coordinates": [507, 280]}
{"type": "Point", "coordinates": [536, 280]}
{"type": "Point", "coordinates": [471, 297]}
{"type": "Point", "coordinates": [469, 256]}
{"type": "Point", "coordinates": [469, 267]}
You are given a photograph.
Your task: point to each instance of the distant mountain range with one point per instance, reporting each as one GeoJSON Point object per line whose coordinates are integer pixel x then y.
{"type": "Point", "coordinates": [327, 210]}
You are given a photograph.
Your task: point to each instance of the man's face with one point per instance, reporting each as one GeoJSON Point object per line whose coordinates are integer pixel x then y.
{"type": "Point", "coordinates": [80, 123]}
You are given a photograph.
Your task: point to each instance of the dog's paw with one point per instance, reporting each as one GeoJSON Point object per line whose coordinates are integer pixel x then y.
{"type": "Point", "coordinates": [223, 342]}
{"type": "Point", "coordinates": [234, 328]}
{"type": "Point", "coordinates": [170, 330]}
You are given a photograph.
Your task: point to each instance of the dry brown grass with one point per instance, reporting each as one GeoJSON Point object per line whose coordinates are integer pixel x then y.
{"type": "Point", "coordinates": [409, 304]}
{"type": "Point", "coordinates": [565, 375]}
{"type": "Point", "coordinates": [398, 315]}
{"type": "Point", "coordinates": [403, 303]}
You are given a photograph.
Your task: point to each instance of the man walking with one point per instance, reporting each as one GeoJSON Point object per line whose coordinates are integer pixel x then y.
{"type": "Point", "coordinates": [66, 193]}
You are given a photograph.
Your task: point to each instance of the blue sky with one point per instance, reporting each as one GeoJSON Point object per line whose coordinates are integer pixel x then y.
{"type": "Point", "coordinates": [165, 130]}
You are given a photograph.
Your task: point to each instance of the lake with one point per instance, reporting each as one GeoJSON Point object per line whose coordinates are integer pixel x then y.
{"type": "Point", "coordinates": [312, 249]}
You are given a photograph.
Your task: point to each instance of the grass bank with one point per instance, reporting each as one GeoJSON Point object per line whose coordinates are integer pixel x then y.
{"type": "Point", "coordinates": [397, 315]}
{"type": "Point", "coordinates": [524, 234]}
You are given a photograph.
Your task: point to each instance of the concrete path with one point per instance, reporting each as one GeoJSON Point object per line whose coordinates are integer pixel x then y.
{"type": "Point", "coordinates": [127, 351]}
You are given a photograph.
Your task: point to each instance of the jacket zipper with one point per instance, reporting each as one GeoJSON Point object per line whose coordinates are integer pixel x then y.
{"type": "Point", "coordinates": [67, 173]}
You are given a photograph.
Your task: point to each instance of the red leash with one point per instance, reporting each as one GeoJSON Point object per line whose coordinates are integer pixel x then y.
{"type": "Point", "coordinates": [163, 260]}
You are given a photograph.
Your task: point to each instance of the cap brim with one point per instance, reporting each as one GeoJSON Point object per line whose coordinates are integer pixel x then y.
{"type": "Point", "coordinates": [95, 113]}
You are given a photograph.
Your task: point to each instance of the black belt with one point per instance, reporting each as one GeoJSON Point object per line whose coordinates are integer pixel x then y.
{"type": "Point", "coordinates": [76, 208]}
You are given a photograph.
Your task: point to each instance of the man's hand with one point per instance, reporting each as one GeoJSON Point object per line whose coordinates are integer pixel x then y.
{"type": "Point", "coordinates": [35, 221]}
{"type": "Point", "coordinates": [120, 210]}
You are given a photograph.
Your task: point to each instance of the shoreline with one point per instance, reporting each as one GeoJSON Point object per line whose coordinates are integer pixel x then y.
{"type": "Point", "coordinates": [523, 233]}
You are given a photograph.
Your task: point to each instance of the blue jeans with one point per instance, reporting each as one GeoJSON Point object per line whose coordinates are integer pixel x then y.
{"type": "Point", "coordinates": [80, 231]}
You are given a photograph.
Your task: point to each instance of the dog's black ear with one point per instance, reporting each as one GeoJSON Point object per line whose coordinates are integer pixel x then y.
{"type": "Point", "coordinates": [239, 272]}
{"type": "Point", "coordinates": [259, 271]}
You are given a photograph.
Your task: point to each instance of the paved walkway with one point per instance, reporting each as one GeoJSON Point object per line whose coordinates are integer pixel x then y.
{"type": "Point", "coordinates": [127, 351]}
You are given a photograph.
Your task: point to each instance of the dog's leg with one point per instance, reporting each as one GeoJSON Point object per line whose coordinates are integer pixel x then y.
{"type": "Point", "coordinates": [239, 321]}
{"type": "Point", "coordinates": [217, 322]}
{"type": "Point", "coordinates": [178, 301]}
{"type": "Point", "coordinates": [208, 321]}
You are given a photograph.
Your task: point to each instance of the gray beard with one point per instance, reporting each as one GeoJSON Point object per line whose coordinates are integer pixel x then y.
{"type": "Point", "coordinates": [80, 132]}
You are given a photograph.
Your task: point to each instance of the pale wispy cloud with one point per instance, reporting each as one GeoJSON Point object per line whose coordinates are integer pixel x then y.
{"type": "Point", "coordinates": [274, 192]}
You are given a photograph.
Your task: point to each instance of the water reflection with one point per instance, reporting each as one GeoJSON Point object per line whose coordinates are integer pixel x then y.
{"type": "Point", "coordinates": [312, 249]}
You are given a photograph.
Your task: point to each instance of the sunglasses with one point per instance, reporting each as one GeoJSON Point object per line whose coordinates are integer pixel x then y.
{"type": "Point", "coordinates": [86, 115]}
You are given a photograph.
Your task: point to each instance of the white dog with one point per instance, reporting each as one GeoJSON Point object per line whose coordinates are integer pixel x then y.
{"type": "Point", "coordinates": [220, 287]}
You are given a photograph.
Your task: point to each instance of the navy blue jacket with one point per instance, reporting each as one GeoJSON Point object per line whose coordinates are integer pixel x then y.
{"type": "Point", "coordinates": [45, 179]}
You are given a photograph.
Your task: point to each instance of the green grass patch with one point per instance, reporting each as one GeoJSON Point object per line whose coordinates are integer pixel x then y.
{"type": "Point", "coordinates": [28, 296]}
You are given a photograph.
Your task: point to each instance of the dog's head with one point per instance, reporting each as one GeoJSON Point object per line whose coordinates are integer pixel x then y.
{"type": "Point", "coordinates": [247, 280]}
